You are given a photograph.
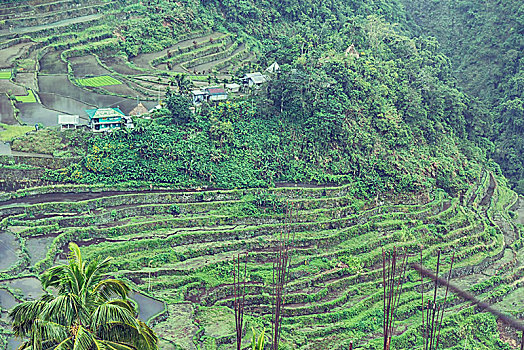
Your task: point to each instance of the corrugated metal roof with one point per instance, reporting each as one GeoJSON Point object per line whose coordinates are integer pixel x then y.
{"type": "Point", "coordinates": [68, 119]}
{"type": "Point", "coordinates": [216, 91]}
{"type": "Point", "coordinates": [105, 111]}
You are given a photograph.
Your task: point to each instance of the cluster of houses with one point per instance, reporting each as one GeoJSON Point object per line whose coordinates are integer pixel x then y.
{"type": "Point", "coordinates": [212, 94]}
{"type": "Point", "coordinates": [108, 119]}
{"type": "Point", "coordinates": [102, 119]}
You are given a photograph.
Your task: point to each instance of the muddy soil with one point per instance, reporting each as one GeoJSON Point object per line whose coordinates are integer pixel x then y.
{"type": "Point", "coordinates": [87, 65]}
{"type": "Point", "coordinates": [10, 54]}
{"type": "Point", "coordinates": [8, 87]}
{"type": "Point", "coordinates": [123, 89]}
{"type": "Point", "coordinates": [8, 250]}
{"type": "Point", "coordinates": [51, 63]}
{"type": "Point", "coordinates": [6, 111]}
{"type": "Point", "coordinates": [26, 79]}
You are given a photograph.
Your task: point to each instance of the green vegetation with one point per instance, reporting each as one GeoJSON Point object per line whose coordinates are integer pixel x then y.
{"type": "Point", "coordinates": [46, 141]}
{"type": "Point", "coordinates": [396, 128]}
{"type": "Point", "coordinates": [29, 98]}
{"type": "Point", "coordinates": [104, 80]}
{"type": "Point", "coordinates": [5, 74]}
{"type": "Point", "coordinates": [483, 42]}
{"type": "Point", "coordinates": [88, 311]}
{"type": "Point", "coordinates": [11, 132]}
{"type": "Point", "coordinates": [179, 247]}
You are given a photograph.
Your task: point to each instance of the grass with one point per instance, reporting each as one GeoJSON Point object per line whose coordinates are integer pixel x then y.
{"type": "Point", "coordinates": [29, 98]}
{"type": "Point", "coordinates": [5, 74]}
{"type": "Point", "coordinates": [10, 132]}
{"type": "Point", "coordinates": [104, 80]}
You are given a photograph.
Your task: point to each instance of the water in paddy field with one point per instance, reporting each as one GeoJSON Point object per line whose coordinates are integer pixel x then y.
{"type": "Point", "coordinates": [8, 248]}
{"type": "Point", "coordinates": [148, 307]}
{"type": "Point", "coordinates": [13, 343]}
{"type": "Point", "coordinates": [520, 211]}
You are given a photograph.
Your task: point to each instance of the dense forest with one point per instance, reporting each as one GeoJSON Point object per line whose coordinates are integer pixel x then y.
{"type": "Point", "coordinates": [484, 41]}
{"type": "Point", "coordinates": [388, 115]}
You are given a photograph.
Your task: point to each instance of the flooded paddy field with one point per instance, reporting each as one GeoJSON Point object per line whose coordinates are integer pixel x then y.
{"type": "Point", "coordinates": [33, 113]}
{"type": "Point", "coordinates": [37, 248]}
{"type": "Point", "coordinates": [51, 63]}
{"type": "Point", "coordinates": [64, 105]}
{"type": "Point", "coordinates": [60, 84]}
{"type": "Point", "coordinates": [8, 250]}
{"type": "Point", "coordinates": [6, 111]}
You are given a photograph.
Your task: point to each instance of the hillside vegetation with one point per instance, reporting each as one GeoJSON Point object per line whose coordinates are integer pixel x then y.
{"type": "Point", "coordinates": [484, 42]}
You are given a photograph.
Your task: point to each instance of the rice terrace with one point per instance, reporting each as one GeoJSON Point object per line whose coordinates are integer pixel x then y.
{"type": "Point", "coordinates": [203, 175]}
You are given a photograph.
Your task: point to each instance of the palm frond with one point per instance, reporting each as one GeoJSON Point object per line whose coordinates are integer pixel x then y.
{"type": "Point", "coordinates": [84, 340]}
{"type": "Point", "coordinates": [93, 271]}
{"type": "Point", "coordinates": [109, 345]}
{"type": "Point", "coordinates": [112, 313]}
{"type": "Point", "coordinates": [64, 309]}
{"type": "Point", "coordinates": [141, 337]}
{"type": "Point", "coordinates": [76, 256]}
{"type": "Point", "coordinates": [24, 314]}
{"type": "Point", "coordinates": [50, 332]}
{"type": "Point", "coordinates": [108, 287]}
{"type": "Point", "coordinates": [54, 277]}
{"type": "Point", "coordinates": [66, 344]}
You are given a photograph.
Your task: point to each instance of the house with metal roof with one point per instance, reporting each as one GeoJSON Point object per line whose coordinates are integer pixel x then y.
{"type": "Point", "coordinates": [215, 94]}
{"type": "Point", "coordinates": [107, 119]}
{"type": "Point", "coordinates": [209, 94]}
{"type": "Point", "coordinates": [254, 79]}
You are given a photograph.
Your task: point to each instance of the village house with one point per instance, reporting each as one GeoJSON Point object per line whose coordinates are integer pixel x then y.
{"type": "Point", "coordinates": [107, 119]}
{"type": "Point", "coordinates": [215, 94]}
{"type": "Point", "coordinates": [209, 94]}
{"type": "Point", "coordinates": [68, 121]}
{"type": "Point", "coordinates": [254, 80]}
{"type": "Point", "coordinates": [233, 87]}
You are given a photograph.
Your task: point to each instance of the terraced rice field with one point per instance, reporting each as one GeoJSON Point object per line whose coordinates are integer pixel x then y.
{"type": "Point", "coordinates": [104, 80]}
{"type": "Point", "coordinates": [76, 40]}
{"type": "Point", "coordinates": [29, 98]}
{"type": "Point", "coordinates": [178, 247]}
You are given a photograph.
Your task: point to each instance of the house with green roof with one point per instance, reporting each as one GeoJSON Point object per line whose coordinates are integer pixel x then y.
{"type": "Point", "coordinates": [107, 119]}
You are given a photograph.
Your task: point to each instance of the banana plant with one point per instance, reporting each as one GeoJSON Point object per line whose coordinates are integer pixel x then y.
{"type": "Point", "coordinates": [258, 343]}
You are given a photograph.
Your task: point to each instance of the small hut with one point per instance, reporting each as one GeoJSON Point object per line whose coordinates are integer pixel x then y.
{"type": "Point", "coordinates": [139, 110]}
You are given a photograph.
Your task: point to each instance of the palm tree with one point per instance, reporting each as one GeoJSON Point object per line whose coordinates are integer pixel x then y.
{"type": "Point", "coordinates": [86, 312]}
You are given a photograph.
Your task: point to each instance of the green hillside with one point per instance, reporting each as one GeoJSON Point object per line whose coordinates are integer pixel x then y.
{"type": "Point", "coordinates": [382, 129]}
